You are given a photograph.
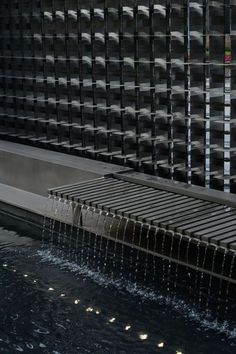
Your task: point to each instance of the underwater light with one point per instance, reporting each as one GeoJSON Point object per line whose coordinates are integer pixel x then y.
{"type": "Point", "coordinates": [160, 345]}
{"type": "Point", "coordinates": [143, 336]}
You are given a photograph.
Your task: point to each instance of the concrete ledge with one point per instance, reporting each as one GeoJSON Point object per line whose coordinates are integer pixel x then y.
{"type": "Point", "coordinates": [22, 211]}
{"type": "Point", "coordinates": [36, 170]}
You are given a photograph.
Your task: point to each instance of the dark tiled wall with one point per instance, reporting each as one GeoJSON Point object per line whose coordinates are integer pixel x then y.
{"type": "Point", "coordinates": [146, 83]}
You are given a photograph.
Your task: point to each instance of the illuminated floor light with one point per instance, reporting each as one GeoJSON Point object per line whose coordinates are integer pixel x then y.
{"type": "Point", "coordinates": [89, 309]}
{"type": "Point", "coordinates": [111, 320]}
{"type": "Point", "coordinates": [143, 336]}
{"type": "Point", "coordinates": [160, 345]}
{"type": "Point", "coordinates": [178, 352]}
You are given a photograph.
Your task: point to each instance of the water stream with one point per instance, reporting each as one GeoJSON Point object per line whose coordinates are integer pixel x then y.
{"type": "Point", "coordinates": [196, 297]}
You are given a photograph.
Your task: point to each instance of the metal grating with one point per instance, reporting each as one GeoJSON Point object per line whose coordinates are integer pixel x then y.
{"type": "Point", "coordinates": [146, 83]}
{"type": "Point", "coordinates": [210, 222]}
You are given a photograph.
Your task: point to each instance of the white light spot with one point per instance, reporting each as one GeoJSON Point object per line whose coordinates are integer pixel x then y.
{"type": "Point", "coordinates": [111, 320]}
{"type": "Point", "coordinates": [26, 275]}
{"type": "Point", "coordinates": [63, 295]}
{"type": "Point", "coordinates": [178, 352]}
{"type": "Point", "coordinates": [14, 270]}
{"type": "Point", "coordinates": [160, 345]}
{"type": "Point", "coordinates": [50, 289]}
{"type": "Point", "coordinates": [4, 265]}
{"type": "Point", "coordinates": [35, 281]}
{"type": "Point", "coordinates": [143, 336]}
{"type": "Point", "coordinates": [127, 328]}
{"type": "Point", "coordinates": [77, 301]}
{"type": "Point", "coordinates": [97, 312]}
{"type": "Point", "coordinates": [89, 309]}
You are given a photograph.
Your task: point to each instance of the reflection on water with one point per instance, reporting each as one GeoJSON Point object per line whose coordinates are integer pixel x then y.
{"type": "Point", "coordinates": [49, 304]}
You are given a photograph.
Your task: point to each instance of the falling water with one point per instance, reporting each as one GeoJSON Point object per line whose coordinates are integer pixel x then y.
{"type": "Point", "coordinates": [197, 272]}
{"type": "Point", "coordinates": [170, 263]}
{"type": "Point", "coordinates": [138, 253]}
{"type": "Point", "coordinates": [147, 253]}
{"type": "Point", "coordinates": [89, 238]}
{"type": "Point", "coordinates": [154, 257]}
{"type": "Point", "coordinates": [96, 238]}
{"type": "Point", "coordinates": [178, 259]}
{"type": "Point", "coordinates": [99, 267]}
{"type": "Point", "coordinates": [210, 280]}
{"type": "Point", "coordinates": [107, 243]}
{"type": "Point", "coordinates": [83, 233]}
{"type": "Point", "coordinates": [52, 226]}
{"type": "Point", "coordinates": [93, 246]}
{"type": "Point", "coordinates": [232, 265]}
{"type": "Point", "coordinates": [63, 213]}
{"type": "Point", "coordinates": [47, 215]}
{"type": "Point", "coordinates": [115, 246]}
{"type": "Point", "coordinates": [122, 248]}
{"type": "Point", "coordinates": [132, 251]}
{"type": "Point", "coordinates": [202, 277]}
{"type": "Point", "coordinates": [163, 252]}
{"type": "Point", "coordinates": [221, 283]}
{"type": "Point", "coordinates": [71, 229]}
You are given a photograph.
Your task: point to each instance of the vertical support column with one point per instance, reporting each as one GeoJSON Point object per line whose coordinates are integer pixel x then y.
{"type": "Point", "coordinates": [107, 81]}
{"type": "Point", "coordinates": [3, 75]}
{"type": "Point", "coordinates": [35, 119]}
{"type": "Point", "coordinates": [152, 87]}
{"type": "Point", "coordinates": [122, 84]}
{"type": "Point", "coordinates": [227, 93]}
{"type": "Point", "coordinates": [137, 84]}
{"type": "Point", "coordinates": [206, 86]}
{"type": "Point", "coordinates": [12, 61]}
{"type": "Point", "coordinates": [56, 76]}
{"type": "Point", "coordinates": [68, 125]}
{"type": "Point", "coordinates": [187, 85]}
{"type": "Point", "coordinates": [94, 86]}
{"type": "Point", "coordinates": [23, 98]}
{"type": "Point", "coordinates": [169, 90]}
{"type": "Point", "coordinates": [81, 76]}
{"type": "Point", "coordinates": [44, 62]}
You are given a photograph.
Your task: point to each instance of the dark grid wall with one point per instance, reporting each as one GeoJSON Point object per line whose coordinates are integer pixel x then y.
{"type": "Point", "coordinates": [146, 83]}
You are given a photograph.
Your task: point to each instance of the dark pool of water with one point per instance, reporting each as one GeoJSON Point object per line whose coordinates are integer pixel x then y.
{"type": "Point", "coordinates": [50, 304]}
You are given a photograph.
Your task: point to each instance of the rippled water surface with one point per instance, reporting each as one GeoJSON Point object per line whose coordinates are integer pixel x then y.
{"type": "Point", "coordinates": [51, 304]}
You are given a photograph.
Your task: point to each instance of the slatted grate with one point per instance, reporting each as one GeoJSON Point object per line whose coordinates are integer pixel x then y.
{"type": "Point", "coordinates": [201, 219]}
